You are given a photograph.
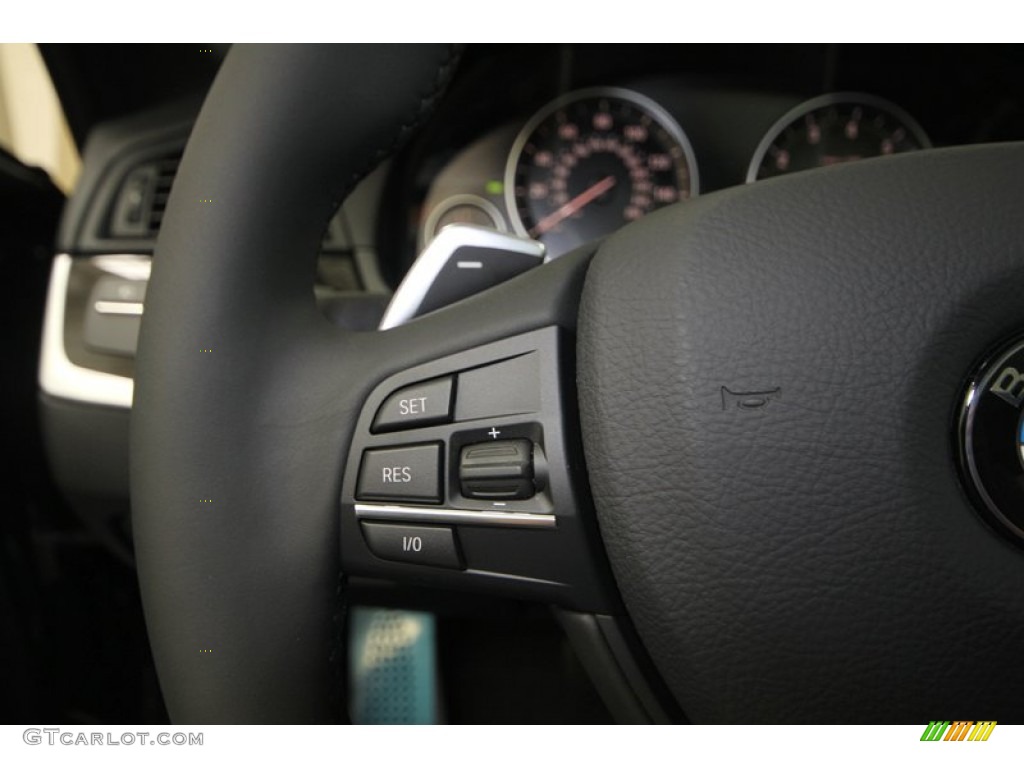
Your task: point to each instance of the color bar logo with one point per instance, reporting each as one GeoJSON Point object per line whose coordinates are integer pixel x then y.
{"type": "Point", "coordinates": [960, 730]}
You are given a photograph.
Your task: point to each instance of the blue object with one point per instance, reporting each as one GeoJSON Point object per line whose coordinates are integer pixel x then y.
{"type": "Point", "coordinates": [392, 667]}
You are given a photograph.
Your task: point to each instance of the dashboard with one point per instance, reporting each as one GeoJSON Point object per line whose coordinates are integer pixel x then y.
{"type": "Point", "coordinates": [564, 144]}
{"type": "Point", "coordinates": [595, 159]}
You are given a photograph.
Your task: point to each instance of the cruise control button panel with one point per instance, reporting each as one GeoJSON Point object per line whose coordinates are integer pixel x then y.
{"type": "Point", "coordinates": [419, 405]}
{"type": "Point", "coordinates": [422, 544]}
{"type": "Point", "coordinates": [408, 473]}
{"type": "Point", "coordinates": [460, 474]}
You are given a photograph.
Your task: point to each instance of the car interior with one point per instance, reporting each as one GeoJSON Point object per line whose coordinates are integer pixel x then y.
{"type": "Point", "coordinates": [534, 383]}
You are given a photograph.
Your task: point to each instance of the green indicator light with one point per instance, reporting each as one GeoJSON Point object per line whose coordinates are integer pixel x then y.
{"type": "Point", "coordinates": [494, 187]}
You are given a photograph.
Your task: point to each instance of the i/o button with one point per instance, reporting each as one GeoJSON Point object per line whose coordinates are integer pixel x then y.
{"type": "Point", "coordinates": [410, 473]}
{"type": "Point", "coordinates": [420, 544]}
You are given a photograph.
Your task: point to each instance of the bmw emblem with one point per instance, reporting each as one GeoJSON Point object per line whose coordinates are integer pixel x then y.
{"type": "Point", "coordinates": [991, 437]}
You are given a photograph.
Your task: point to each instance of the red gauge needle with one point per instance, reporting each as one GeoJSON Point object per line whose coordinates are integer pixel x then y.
{"type": "Point", "coordinates": [581, 200]}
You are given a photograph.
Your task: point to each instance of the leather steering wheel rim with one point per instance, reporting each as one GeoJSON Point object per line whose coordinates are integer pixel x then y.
{"type": "Point", "coordinates": [240, 590]}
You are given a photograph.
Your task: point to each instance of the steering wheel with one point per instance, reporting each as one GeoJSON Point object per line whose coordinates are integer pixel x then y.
{"type": "Point", "coordinates": [744, 431]}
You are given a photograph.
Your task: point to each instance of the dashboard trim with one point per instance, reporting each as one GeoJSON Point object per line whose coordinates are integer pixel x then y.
{"type": "Point", "coordinates": [60, 377]}
{"type": "Point", "coordinates": [455, 201]}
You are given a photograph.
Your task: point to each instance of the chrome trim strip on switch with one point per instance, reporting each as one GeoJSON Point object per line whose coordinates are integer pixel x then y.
{"type": "Point", "coordinates": [130, 308]}
{"type": "Point", "coordinates": [410, 294]}
{"type": "Point", "coordinates": [397, 513]}
{"type": "Point", "coordinates": [58, 376]}
{"type": "Point", "coordinates": [130, 266]}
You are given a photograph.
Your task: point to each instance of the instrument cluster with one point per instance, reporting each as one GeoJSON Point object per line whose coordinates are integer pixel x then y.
{"type": "Point", "coordinates": [593, 160]}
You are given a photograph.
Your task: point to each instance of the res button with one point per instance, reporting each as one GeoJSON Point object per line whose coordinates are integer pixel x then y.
{"type": "Point", "coordinates": [410, 473]}
{"type": "Point", "coordinates": [417, 406]}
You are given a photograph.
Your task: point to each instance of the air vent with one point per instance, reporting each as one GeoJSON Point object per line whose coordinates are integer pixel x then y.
{"type": "Point", "coordinates": [165, 171]}
{"type": "Point", "coordinates": [138, 209]}
{"type": "Point", "coordinates": [142, 199]}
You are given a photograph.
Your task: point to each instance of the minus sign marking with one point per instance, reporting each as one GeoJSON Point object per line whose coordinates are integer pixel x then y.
{"type": "Point", "coordinates": [469, 264]}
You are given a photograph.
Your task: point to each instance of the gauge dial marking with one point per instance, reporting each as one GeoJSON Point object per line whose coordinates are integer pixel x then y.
{"type": "Point", "coordinates": [832, 129]}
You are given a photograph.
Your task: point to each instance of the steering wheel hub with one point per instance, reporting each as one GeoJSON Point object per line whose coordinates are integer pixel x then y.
{"type": "Point", "coordinates": [812, 558]}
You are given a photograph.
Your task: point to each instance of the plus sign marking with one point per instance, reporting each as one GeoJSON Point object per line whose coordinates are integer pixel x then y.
{"type": "Point", "coordinates": [494, 433]}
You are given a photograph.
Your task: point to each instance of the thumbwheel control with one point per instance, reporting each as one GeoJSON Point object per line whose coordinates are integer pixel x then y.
{"type": "Point", "coordinates": [497, 470]}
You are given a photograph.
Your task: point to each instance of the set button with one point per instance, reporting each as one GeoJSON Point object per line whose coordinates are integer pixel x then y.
{"type": "Point", "coordinates": [419, 405]}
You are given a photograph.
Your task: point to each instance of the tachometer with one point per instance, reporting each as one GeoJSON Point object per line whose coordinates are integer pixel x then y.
{"type": "Point", "coordinates": [592, 161]}
{"type": "Point", "coordinates": [835, 128]}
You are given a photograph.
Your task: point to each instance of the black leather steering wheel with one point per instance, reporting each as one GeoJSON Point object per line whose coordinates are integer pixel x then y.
{"type": "Point", "coordinates": [767, 377]}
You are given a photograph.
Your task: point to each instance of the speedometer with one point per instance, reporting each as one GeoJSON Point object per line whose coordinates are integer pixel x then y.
{"type": "Point", "coordinates": [592, 161]}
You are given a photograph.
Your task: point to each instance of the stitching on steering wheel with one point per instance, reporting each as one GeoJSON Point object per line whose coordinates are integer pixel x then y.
{"type": "Point", "coordinates": [427, 102]}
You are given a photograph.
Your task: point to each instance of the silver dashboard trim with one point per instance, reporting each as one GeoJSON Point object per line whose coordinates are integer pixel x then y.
{"type": "Point", "coordinates": [446, 205]}
{"type": "Point", "coordinates": [60, 377]}
{"type": "Point", "coordinates": [130, 266]}
{"type": "Point", "coordinates": [410, 294]}
{"type": "Point", "coordinates": [397, 513]}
